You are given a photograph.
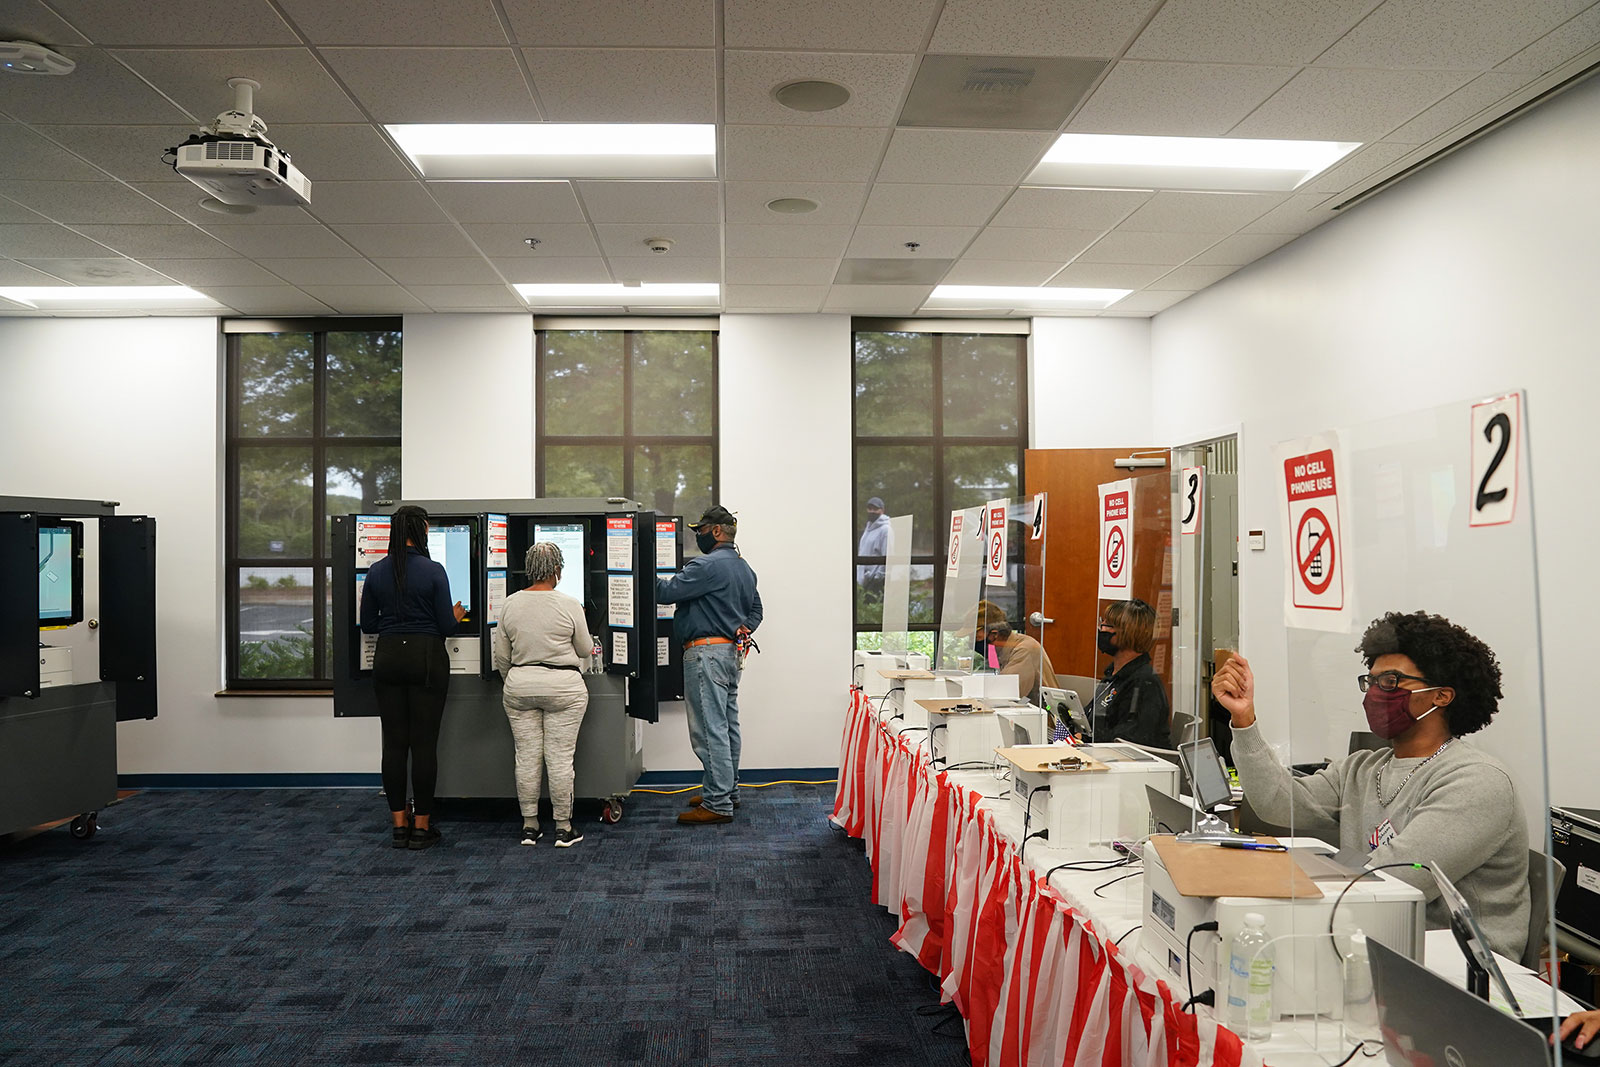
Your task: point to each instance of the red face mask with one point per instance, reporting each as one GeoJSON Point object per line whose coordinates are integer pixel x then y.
{"type": "Point", "coordinates": [1389, 714]}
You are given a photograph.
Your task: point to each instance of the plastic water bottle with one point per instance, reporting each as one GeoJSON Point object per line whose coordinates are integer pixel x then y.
{"type": "Point", "coordinates": [596, 658]}
{"type": "Point", "coordinates": [1250, 969]}
{"type": "Point", "coordinates": [1360, 1009]}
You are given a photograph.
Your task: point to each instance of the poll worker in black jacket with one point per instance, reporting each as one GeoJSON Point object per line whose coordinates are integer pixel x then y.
{"type": "Point", "coordinates": [406, 602]}
{"type": "Point", "coordinates": [1131, 701]}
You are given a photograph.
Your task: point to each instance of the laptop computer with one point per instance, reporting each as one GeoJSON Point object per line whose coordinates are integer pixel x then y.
{"type": "Point", "coordinates": [1064, 705]}
{"type": "Point", "coordinates": [1171, 815]}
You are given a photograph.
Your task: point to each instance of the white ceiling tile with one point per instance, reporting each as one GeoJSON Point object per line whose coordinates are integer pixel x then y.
{"type": "Point", "coordinates": [651, 201]}
{"type": "Point", "coordinates": [1169, 212]}
{"type": "Point", "coordinates": [436, 84]}
{"type": "Point", "coordinates": [200, 272]}
{"type": "Point", "coordinates": [26, 155]}
{"type": "Point", "coordinates": [1001, 272]}
{"type": "Point", "coordinates": [340, 152]}
{"type": "Point", "coordinates": [1069, 209]}
{"type": "Point", "coordinates": [397, 22]}
{"type": "Point", "coordinates": [365, 299]}
{"type": "Point", "coordinates": [306, 272]}
{"type": "Point", "coordinates": [99, 271]}
{"type": "Point", "coordinates": [457, 297]}
{"type": "Point", "coordinates": [557, 240]}
{"type": "Point", "coordinates": [666, 269]}
{"type": "Point", "coordinates": [178, 22]}
{"type": "Point", "coordinates": [1571, 38]}
{"type": "Point", "coordinates": [1148, 303]}
{"type": "Point", "coordinates": [1247, 31]}
{"type": "Point", "coordinates": [625, 85]}
{"type": "Point", "coordinates": [1192, 277]}
{"type": "Point", "coordinates": [889, 242]}
{"type": "Point", "coordinates": [877, 85]}
{"type": "Point", "coordinates": [879, 299]}
{"type": "Point", "coordinates": [519, 203]}
{"type": "Point", "coordinates": [1241, 248]}
{"type": "Point", "coordinates": [689, 241]}
{"type": "Point", "coordinates": [30, 20]}
{"type": "Point", "coordinates": [962, 157]}
{"type": "Point", "coordinates": [183, 198]}
{"type": "Point", "coordinates": [289, 242]}
{"type": "Point", "coordinates": [1482, 92]}
{"type": "Point", "coordinates": [388, 202]}
{"type": "Point", "coordinates": [13, 213]}
{"type": "Point", "coordinates": [801, 153]}
{"type": "Point", "coordinates": [1110, 275]}
{"type": "Point", "coordinates": [420, 239]}
{"type": "Point", "coordinates": [72, 202]}
{"type": "Point", "coordinates": [820, 25]}
{"type": "Point", "coordinates": [1460, 34]}
{"type": "Point", "coordinates": [100, 90]}
{"type": "Point", "coordinates": [266, 299]}
{"type": "Point", "coordinates": [774, 297]}
{"type": "Point", "coordinates": [1039, 27]}
{"type": "Point", "coordinates": [660, 23]}
{"type": "Point", "coordinates": [166, 242]}
{"type": "Point", "coordinates": [473, 270]}
{"type": "Point", "coordinates": [1176, 99]}
{"type": "Point", "coordinates": [750, 240]}
{"type": "Point", "coordinates": [838, 203]}
{"type": "Point", "coordinates": [566, 269]}
{"type": "Point", "coordinates": [27, 241]}
{"type": "Point", "coordinates": [1357, 167]}
{"type": "Point", "coordinates": [132, 153]}
{"type": "Point", "coordinates": [783, 271]}
{"type": "Point", "coordinates": [1008, 242]}
{"type": "Point", "coordinates": [14, 273]}
{"type": "Point", "coordinates": [294, 87]}
{"type": "Point", "coordinates": [1170, 248]}
{"type": "Point", "coordinates": [1348, 105]}
{"type": "Point", "coordinates": [1297, 214]}
{"type": "Point", "coordinates": [891, 204]}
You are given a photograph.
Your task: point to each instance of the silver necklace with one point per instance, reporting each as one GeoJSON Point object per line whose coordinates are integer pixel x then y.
{"type": "Point", "coordinates": [1408, 777]}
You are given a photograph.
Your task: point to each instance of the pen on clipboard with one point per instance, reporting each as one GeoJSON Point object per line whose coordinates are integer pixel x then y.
{"type": "Point", "coordinates": [1253, 846]}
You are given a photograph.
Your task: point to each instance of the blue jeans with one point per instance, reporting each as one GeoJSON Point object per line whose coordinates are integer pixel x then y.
{"type": "Point", "coordinates": [711, 689]}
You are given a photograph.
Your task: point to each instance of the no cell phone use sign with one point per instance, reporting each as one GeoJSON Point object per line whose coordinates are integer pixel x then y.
{"type": "Point", "coordinates": [1116, 540]}
{"type": "Point", "coordinates": [1316, 555]}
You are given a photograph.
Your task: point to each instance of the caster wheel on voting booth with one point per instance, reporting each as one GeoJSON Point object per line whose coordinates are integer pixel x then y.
{"type": "Point", "coordinates": [84, 826]}
{"type": "Point", "coordinates": [611, 811]}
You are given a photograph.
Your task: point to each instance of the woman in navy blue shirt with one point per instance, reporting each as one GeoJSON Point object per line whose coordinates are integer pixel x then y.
{"type": "Point", "coordinates": [406, 602]}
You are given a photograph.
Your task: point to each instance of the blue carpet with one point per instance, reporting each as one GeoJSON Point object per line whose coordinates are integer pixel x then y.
{"type": "Point", "coordinates": [279, 927]}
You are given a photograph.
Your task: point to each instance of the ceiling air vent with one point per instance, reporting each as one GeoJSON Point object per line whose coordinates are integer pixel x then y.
{"type": "Point", "coordinates": [998, 92]}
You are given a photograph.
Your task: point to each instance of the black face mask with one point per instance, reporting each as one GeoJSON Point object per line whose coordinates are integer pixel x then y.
{"type": "Point", "coordinates": [706, 540]}
{"type": "Point", "coordinates": [1106, 641]}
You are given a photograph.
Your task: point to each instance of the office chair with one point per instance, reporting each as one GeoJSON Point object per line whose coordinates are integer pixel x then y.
{"type": "Point", "coordinates": [1181, 727]}
{"type": "Point", "coordinates": [1362, 740]}
{"type": "Point", "coordinates": [1539, 890]}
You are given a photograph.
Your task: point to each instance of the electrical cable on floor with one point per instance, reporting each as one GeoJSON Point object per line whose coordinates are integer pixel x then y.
{"type": "Point", "coordinates": [742, 785]}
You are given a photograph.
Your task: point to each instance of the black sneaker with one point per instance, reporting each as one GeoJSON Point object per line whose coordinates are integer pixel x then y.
{"type": "Point", "coordinates": [402, 835]}
{"type": "Point", "coordinates": [531, 835]}
{"type": "Point", "coordinates": [567, 838]}
{"type": "Point", "coordinates": [421, 839]}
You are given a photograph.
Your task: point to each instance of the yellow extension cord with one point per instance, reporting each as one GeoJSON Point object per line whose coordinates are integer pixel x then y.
{"type": "Point", "coordinates": [742, 785]}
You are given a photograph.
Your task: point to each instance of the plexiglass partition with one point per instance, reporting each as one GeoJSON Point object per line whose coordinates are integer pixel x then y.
{"type": "Point", "coordinates": [897, 587]}
{"type": "Point", "coordinates": [963, 577]}
{"type": "Point", "coordinates": [1136, 563]}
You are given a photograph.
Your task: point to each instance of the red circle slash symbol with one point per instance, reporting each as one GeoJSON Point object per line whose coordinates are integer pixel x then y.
{"type": "Point", "coordinates": [1316, 573]}
{"type": "Point", "coordinates": [994, 554]}
{"type": "Point", "coordinates": [1114, 553]}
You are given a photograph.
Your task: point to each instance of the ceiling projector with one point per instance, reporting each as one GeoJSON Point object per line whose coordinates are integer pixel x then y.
{"type": "Point", "coordinates": [233, 160]}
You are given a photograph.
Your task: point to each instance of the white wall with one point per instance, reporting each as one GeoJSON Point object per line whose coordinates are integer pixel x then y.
{"type": "Point", "coordinates": [1090, 383]}
{"type": "Point", "coordinates": [1473, 276]}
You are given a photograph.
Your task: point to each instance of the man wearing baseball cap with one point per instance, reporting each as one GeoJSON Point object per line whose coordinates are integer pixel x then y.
{"type": "Point", "coordinates": [717, 605]}
{"type": "Point", "coordinates": [874, 544]}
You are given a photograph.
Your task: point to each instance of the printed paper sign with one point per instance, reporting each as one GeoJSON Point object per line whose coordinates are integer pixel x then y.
{"type": "Point", "coordinates": [1038, 517]}
{"type": "Point", "coordinates": [1116, 540]}
{"type": "Point", "coordinates": [619, 648]}
{"type": "Point", "coordinates": [369, 650]}
{"type": "Point", "coordinates": [994, 542]}
{"type": "Point", "coordinates": [1315, 555]}
{"type": "Point", "coordinates": [1496, 451]}
{"type": "Point", "coordinates": [372, 539]}
{"type": "Point", "coordinates": [955, 545]}
{"type": "Point", "coordinates": [619, 599]}
{"type": "Point", "coordinates": [1191, 492]}
{"type": "Point", "coordinates": [496, 536]}
{"type": "Point", "coordinates": [666, 545]}
{"type": "Point", "coordinates": [619, 543]}
{"type": "Point", "coordinates": [663, 652]}
{"type": "Point", "coordinates": [497, 596]}
{"type": "Point", "coordinates": [665, 611]}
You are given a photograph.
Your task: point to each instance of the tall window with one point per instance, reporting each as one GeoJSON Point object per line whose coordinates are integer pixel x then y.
{"type": "Point", "coordinates": [629, 413]}
{"type": "Point", "coordinates": [313, 423]}
{"type": "Point", "coordinates": [940, 424]}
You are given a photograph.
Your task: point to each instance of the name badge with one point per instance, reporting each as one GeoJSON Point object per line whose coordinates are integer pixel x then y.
{"type": "Point", "coordinates": [1381, 835]}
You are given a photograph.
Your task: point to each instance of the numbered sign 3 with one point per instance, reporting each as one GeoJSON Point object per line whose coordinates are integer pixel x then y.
{"type": "Point", "coordinates": [1496, 456]}
{"type": "Point", "coordinates": [1190, 491]}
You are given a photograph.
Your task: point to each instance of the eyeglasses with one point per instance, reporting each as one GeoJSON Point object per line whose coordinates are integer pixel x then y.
{"type": "Point", "coordinates": [1388, 681]}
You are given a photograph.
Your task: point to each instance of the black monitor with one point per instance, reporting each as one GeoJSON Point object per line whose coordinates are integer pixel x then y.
{"type": "Point", "coordinates": [60, 573]}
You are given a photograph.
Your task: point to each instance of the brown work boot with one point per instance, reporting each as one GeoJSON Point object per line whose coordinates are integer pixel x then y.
{"type": "Point", "coordinates": [696, 800]}
{"type": "Point", "coordinates": [699, 816]}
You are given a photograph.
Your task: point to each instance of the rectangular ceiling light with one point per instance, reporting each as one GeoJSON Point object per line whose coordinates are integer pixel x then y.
{"type": "Point", "coordinates": [1200, 164]}
{"type": "Point", "coordinates": [511, 151]}
{"type": "Point", "coordinates": [110, 297]}
{"type": "Point", "coordinates": [1022, 298]}
{"type": "Point", "coordinates": [665, 294]}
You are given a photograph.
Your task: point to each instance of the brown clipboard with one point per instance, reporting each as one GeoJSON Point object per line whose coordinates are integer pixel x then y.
{"type": "Point", "coordinates": [901, 674]}
{"type": "Point", "coordinates": [1200, 870]}
{"type": "Point", "coordinates": [946, 705]}
{"type": "Point", "coordinates": [1038, 760]}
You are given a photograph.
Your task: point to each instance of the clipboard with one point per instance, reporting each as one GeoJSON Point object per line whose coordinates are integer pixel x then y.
{"type": "Point", "coordinates": [947, 706]}
{"type": "Point", "coordinates": [901, 674]}
{"type": "Point", "coordinates": [1039, 760]}
{"type": "Point", "coordinates": [1199, 870]}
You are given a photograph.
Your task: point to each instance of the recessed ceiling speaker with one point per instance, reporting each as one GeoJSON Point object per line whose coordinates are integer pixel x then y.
{"type": "Point", "coordinates": [792, 205]}
{"type": "Point", "coordinates": [811, 95]}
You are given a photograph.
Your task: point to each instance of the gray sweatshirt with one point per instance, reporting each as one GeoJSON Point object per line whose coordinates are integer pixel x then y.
{"type": "Point", "coordinates": [540, 626]}
{"type": "Point", "coordinates": [1460, 811]}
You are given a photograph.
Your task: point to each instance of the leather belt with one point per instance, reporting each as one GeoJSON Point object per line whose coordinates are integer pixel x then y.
{"type": "Point", "coordinates": [708, 641]}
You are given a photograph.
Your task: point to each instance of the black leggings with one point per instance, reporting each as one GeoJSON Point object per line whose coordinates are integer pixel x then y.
{"type": "Point", "coordinates": [411, 674]}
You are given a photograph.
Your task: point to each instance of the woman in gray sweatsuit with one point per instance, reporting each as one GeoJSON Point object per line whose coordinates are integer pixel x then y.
{"type": "Point", "coordinates": [540, 647]}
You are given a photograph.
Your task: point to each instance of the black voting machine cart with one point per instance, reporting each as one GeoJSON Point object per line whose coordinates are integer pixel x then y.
{"type": "Point", "coordinates": [624, 548]}
{"type": "Point", "coordinates": [66, 680]}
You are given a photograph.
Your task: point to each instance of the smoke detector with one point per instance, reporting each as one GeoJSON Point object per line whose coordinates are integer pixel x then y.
{"type": "Point", "coordinates": [26, 57]}
{"type": "Point", "coordinates": [658, 245]}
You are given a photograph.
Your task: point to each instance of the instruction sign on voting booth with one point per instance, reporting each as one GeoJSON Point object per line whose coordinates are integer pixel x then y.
{"type": "Point", "coordinates": [1116, 540]}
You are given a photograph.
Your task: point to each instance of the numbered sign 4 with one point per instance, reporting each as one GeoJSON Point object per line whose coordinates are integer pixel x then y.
{"type": "Point", "coordinates": [1190, 491]}
{"type": "Point", "coordinates": [1496, 456]}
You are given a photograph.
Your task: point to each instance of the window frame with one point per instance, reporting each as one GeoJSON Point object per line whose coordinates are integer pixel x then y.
{"type": "Point", "coordinates": [319, 441]}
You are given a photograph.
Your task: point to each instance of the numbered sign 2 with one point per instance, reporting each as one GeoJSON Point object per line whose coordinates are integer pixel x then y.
{"type": "Point", "coordinates": [1496, 456]}
{"type": "Point", "coordinates": [1190, 491]}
